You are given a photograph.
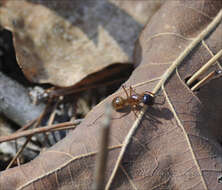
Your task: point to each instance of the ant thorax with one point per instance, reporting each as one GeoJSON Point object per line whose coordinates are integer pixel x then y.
{"type": "Point", "coordinates": [135, 97]}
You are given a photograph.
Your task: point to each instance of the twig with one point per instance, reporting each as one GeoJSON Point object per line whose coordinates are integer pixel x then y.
{"type": "Point", "coordinates": [50, 122]}
{"type": "Point", "coordinates": [39, 120]}
{"type": "Point", "coordinates": [60, 126]}
{"type": "Point", "coordinates": [211, 53]}
{"type": "Point", "coordinates": [206, 78]}
{"type": "Point", "coordinates": [103, 152]}
{"type": "Point", "coordinates": [204, 67]}
{"type": "Point", "coordinates": [27, 125]}
{"type": "Point", "coordinates": [17, 154]}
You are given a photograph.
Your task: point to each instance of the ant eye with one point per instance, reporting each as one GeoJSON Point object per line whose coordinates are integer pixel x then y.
{"type": "Point", "coordinates": [118, 100]}
{"type": "Point", "coordinates": [148, 99]}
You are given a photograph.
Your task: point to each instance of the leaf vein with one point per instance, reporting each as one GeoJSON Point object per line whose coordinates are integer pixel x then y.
{"type": "Point", "coordinates": [187, 139]}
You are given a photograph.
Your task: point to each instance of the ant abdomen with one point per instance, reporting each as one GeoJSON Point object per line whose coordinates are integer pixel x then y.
{"type": "Point", "coordinates": [148, 99]}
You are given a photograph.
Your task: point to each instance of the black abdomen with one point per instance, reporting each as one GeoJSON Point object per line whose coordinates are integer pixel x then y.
{"type": "Point", "coordinates": [148, 99]}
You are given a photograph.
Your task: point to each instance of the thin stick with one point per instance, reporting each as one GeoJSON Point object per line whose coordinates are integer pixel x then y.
{"type": "Point", "coordinates": [204, 67]}
{"type": "Point", "coordinates": [103, 152]}
{"type": "Point", "coordinates": [17, 154]}
{"type": "Point", "coordinates": [51, 120]}
{"type": "Point", "coordinates": [27, 125]}
{"type": "Point", "coordinates": [125, 144]}
{"type": "Point", "coordinates": [39, 130]}
{"type": "Point", "coordinates": [64, 128]}
{"type": "Point", "coordinates": [210, 75]}
{"type": "Point", "coordinates": [39, 120]}
{"type": "Point", "coordinates": [211, 53]}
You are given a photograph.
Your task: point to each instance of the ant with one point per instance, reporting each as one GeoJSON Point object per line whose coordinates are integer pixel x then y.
{"type": "Point", "coordinates": [132, 100]}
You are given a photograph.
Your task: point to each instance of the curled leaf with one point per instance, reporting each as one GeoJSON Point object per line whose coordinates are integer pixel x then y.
{"type": "Point", "coordinates": [63, 42]}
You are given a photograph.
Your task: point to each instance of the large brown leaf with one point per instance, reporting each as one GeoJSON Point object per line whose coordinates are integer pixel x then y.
{"type": "Point", "coordinates": [176, 145]}
{"type": "Point", "coordinates": [62, 42]}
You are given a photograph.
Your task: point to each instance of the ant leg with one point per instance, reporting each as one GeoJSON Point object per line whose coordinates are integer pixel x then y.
{"type": "Point", "coordinates": [135, 113]}
{"type": "Point", "coordinates": [131, 90]}
{"type": "Point", "coordinates": [135, 110]}
{"type": "Point", "coordinates": [125, 91]}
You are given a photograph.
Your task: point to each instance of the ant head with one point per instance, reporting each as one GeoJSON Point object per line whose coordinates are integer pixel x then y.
{"type": "Point", "coordinates": [118, 103]}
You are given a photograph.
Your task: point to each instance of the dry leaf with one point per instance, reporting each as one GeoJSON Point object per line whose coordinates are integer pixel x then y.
{"type": "Point", "coordinates": [62, 42]}
{"type": "Point", "coordinates": [174, 146]}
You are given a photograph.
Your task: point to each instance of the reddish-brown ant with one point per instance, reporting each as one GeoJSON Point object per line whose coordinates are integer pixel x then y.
{"type": "Point", "coordinates": [132, 100]}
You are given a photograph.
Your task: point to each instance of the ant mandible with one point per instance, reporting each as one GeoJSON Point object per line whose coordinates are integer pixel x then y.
{"type": "Point", "coordinates": [132, 100]}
